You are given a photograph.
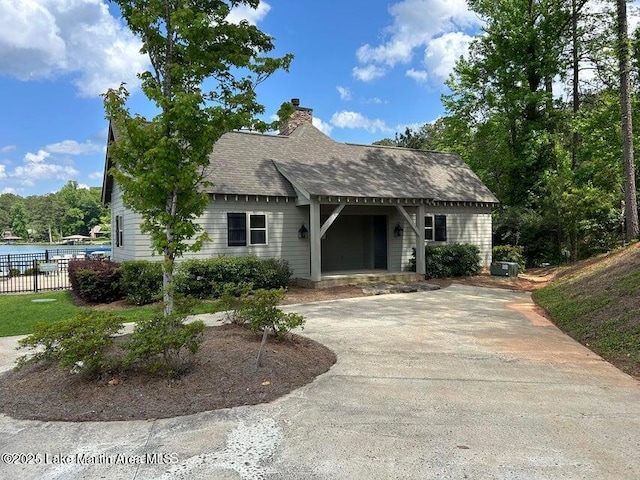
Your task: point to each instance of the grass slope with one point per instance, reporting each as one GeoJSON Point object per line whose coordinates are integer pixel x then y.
{"type": "Point", "coordinates": [597, 302]}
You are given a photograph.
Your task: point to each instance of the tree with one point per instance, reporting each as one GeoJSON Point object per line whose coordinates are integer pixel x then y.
{"type": "Point", "coordinates": [6, 202]}
{"type": "Point", "coordinates": [19, 222]}
{"type": "Point", "coordinates": [203, 79]}
{"type": "Point", "coordinates": [624, 54]}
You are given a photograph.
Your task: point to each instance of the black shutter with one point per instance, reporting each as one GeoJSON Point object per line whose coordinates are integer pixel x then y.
{"type": "Point", "coordinates": [236, 229]}
{"type": "Point", "coordinates": [441, 228]}
{"type": "Point", "coordinates": [117, 232]}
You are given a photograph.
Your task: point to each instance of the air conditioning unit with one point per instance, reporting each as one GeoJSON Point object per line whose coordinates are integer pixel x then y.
{"type": "Point", "coordinates": [504, 269]}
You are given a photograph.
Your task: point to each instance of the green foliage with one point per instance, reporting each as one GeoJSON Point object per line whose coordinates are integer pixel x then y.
{"type": "Point", "coordinates": [95, 281]}
{"type": "Point", "coordinates": [208, 278]}
{"type": "Point", "coordinates": [259, 310]}
{"type": "Point", "coordinates": [19, 221]}
{"type": "Point", "coordinates": [509, 253]}
{"type": "Point", "coordinates": [164, 344]}
{"type": "Point", "coordinates": [452, 260]}
{"type": "Point", "coordinates": [159, 163]}
{"type": "Point", "coordinates": [141, 281]}
{"type": "Point", "coordinates": [81, 343]}
{"type": "Point", "coordinates": [72, 210]}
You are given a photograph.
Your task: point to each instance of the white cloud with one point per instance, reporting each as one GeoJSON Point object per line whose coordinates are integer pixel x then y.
{"type": "Point", "coordinates": [71, 147]}
{"type": "Point", "coordinates": [419, 76]}
{"type": "Point", "coordinates": [9, 190]}
{"type": "Point", "coordinates": [50, 38]}
{"type": "Point", "coordinates": [39, 157]}
{"type": "Point", "coordinates": [443, 52]}
{"type": "Point", "coordinates": [375, 101]}
{"type": "Point", "coordinates": [347, 119]}
{"type": "Point", "coordinates": [368, 73]}
{"type": "Point", "coordinates": [321, 125]}
{"type": "Point", "coordinates": [345, 93]}
{"type": "Point", "coordinates": [2, 171]}
{"type": "Point", "coordinates": [96, 175]}
{"type": "Point", "coordinates": [83, 186]}
{"type": "Point", "coordinates": [7, 148]}
{"type": "Point", "coordinates": [38, 167]}
{"type": "Point", "coordinates": [416, 24]}
{"type": "Point", "coordinates": [251, 15]}
{"type": "Point", "coordinates": [41, 171]}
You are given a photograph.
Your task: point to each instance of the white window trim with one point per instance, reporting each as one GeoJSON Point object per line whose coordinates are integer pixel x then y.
{"type": "Point", "coordinates": [248, 229]}
{"type": "Point", "coordinates": [265, 229]}
{"type": "Point", "coordinates": [432, 227]}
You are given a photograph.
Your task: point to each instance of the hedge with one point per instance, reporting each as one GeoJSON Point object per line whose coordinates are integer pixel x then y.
{"type": "Point", "coordinates": [207, 278]}
{"type": "Point", "coordinates": [141, 281]}
{"type": "Point", "coordinates": [453, 260]}
{"type": "Point", "coordinates": [95, 280]}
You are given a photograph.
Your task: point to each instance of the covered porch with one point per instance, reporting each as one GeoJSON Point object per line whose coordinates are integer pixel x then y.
{"type": "Point", "coordinates": [355, 240]}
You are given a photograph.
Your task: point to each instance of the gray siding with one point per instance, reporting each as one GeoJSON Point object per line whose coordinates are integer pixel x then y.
{"type": "Point", "coordinates": [464, 225]}
{"type": "Point", "coordinates": [135, 245]}
{"type": "Point", "coordinates": [284, 219]}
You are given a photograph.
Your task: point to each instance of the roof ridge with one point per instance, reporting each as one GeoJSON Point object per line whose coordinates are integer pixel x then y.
{"type": "Point", "coordinates": [392, 147]}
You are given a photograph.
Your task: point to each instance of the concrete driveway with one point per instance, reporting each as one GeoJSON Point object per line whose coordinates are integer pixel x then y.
{"type": "Point", "coordinates": [463, 382]}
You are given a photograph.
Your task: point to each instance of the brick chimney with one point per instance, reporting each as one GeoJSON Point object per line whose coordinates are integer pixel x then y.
{"type": "Point", "coordinates": [298, 117]}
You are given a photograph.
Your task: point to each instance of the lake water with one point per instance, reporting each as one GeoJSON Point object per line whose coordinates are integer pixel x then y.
{"type": "Point", "coordinates": [15, 249]}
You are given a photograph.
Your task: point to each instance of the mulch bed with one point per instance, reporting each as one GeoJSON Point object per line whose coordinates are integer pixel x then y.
{"type": "Point", "coordinates": [223, 374]}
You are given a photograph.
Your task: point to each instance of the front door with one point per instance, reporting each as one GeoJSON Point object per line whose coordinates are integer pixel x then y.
{"type": "Point", "coordinates": [380, 242]}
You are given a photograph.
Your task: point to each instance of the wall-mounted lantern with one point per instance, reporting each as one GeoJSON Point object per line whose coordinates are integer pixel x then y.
{"type": "Point", "coordinates": [303, 232]}
{"type": "Point", "coordinates": [397, 232]}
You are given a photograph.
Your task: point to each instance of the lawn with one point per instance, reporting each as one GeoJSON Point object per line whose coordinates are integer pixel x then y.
{"type": "Point", "coordinates": [598, 306]}
{"type": "Point", "coordinates": [19, 313]}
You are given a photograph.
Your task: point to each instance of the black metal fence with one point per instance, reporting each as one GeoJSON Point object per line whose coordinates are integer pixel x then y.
{"type": "Point", "coordinates": [37, 272]}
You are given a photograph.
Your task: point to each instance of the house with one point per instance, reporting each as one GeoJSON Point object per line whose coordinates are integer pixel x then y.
{"type": "Point", "coordinates": [325, 207]}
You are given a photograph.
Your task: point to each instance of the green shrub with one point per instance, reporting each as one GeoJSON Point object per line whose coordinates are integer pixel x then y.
{"type": "Point", "coordinates": [509, 253]}
{"type": "Point", "coordinates": [95, 281]}
{"type": "Point", "coordinates": [259, 311]}
{"type": "Point", "coordinates": [141, 281]}
{"type": "Point", "coordinates": [207, 278]}
{"type": "Point", "coordinates": [80, 343]}
{"type": "Point", "coordinates": [164, 345]}
{"type": "Point", "coordinates": [453, 260]}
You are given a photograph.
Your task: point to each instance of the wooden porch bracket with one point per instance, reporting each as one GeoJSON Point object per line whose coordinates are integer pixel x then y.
{"type": "Point", "coordinates": [406, 216]}
{"type": "Point", "coordinates": [418, 229]}
{"type": "Point", "coordinates": [331, 219]}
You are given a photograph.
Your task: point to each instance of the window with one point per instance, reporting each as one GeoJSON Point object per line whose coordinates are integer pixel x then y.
{"type": "Point", "coordinates": [237, 229]}
{"type": "Point", "coordinates": [428, 227]}
{"type": "Point", "coordinates": [258, 229]}
{"type": "Point", "coordinates": [119, 234]}
{"type": "Point", "coordinates": [435, 228]}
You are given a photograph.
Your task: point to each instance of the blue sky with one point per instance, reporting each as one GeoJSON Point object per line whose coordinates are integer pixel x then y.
{"type": "Point", "coordinates": [367, 68]}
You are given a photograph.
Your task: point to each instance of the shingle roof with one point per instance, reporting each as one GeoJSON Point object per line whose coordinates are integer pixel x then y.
{"type": "Point", "coordinates": [254, 164]}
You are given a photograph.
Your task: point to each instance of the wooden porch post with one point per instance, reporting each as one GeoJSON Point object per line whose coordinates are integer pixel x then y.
{"type": "Point", "coordinates": [418, 230]}
{"type": "Point", "coordinates": [420, 254]}
{"type": "Point", "coordinates": [315, 234]}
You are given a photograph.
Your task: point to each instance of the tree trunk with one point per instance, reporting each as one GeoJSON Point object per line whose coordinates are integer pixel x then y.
{"type": "Point", "coordinates": [630, 202]}
{"type": "Point", "coordinates": [169, 256]}
{"type": "Point", "coordinates": [576, 73]}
